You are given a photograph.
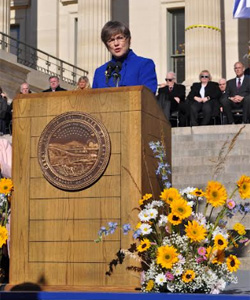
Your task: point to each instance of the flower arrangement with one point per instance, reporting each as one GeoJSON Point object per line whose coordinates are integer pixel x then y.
{"type": "Point", "coordinates": [182, 239]}
{"type": "Point", "coordinates": [6, 188]}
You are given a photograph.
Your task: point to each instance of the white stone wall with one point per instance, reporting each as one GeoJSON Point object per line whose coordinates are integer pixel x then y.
{"type": "Point", "coordinates": [50, 26]}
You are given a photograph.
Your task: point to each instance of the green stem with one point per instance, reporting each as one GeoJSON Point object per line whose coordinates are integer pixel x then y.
{"type": "Point", "coordinates": [234, 191]}
{"type": "Point", "coordinates": [210, 214]}
{"type": "Point", "coordinates": [6, 213]}
{"type": "Point", "coordinates": [205, 210]}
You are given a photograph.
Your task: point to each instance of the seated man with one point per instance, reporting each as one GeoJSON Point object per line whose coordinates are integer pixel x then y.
{"type": "Point", "coordinates": [237, 95]}
{"type": "Point", "coordinates": [171, 98]}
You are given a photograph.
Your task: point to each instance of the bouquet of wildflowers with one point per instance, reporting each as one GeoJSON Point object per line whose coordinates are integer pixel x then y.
{"type": "Point", "coordinates": [182, 240]}
{"type": "Point", "coordinates": [6, 188]}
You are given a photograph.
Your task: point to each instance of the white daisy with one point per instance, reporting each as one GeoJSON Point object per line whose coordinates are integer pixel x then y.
{"type": "Point", "coordinates": [144, 215]}
{"type": "Point", "coordinates": [221, 231]}
{"type": "Point", "coordinates": [145, 229]}
{"type": "Point", "coordinates": [178, 271]}
{"type": "Point", "coordinates": [153, 213]}
{"type": "Point", "coordinates": [160, 279]}
{"type": "Point", "coordinates": [163, 221]}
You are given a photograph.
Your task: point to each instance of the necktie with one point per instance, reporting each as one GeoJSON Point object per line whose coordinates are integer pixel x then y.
{"type": "Point", "coordinates": [238, 83]}
{"type": "Point", "coordinates": [170, 89]}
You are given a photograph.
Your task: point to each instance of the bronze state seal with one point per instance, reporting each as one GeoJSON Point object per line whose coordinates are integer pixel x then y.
{"type": "Point", "coordinates": [73, 150]}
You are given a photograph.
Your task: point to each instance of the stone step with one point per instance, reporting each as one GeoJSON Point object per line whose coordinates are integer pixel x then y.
{"type": "Point", "coordinates": [209, 168]}
{"type": "Point", "coordinates": [217, 144]}
{"type": "Point", "coordinates": [208, 131]}
{"type": "Point", "coordinates": [208, 160]}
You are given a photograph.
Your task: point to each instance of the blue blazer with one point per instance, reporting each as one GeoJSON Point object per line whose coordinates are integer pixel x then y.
{"type": "Point", "coordinates": [136, 70]}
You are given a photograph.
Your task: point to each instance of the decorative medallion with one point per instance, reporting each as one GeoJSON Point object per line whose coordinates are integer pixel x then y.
{"type": "Point", "coordinates": [73, 150]}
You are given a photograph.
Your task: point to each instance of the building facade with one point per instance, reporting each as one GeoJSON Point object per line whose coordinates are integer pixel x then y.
{"type": "Point", "coordinates": [183, 36]}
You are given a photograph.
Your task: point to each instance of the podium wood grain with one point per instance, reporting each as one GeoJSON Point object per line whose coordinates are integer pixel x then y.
{"type": "Point", "coordinates": [53, 231]}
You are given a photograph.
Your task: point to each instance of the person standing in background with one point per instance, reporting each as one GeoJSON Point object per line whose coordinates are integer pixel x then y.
{"type": "Point", "coordinates": [54, 85]}
{"type": "Point", "coordinates": [83, 83]}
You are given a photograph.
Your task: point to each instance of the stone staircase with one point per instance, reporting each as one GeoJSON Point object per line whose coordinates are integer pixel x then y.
{"type": "Point", "coordinates": [195, 152]}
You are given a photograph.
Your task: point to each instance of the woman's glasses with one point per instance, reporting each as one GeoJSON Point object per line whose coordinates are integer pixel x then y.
{"type": "Point", "coordinates": [119, 38]}
{"type": "Point", "coordinates": [204, 76]}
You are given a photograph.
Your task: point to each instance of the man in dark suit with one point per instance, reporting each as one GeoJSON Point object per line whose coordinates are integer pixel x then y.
{"type": "Point", "coordinates": [237, 95]}
{"type": "Point", "coordinates": [204, 97]}
{"type": "Point", "coordinates": [54, 85]}
{"type": "Point", "coordinates": [171, 98]}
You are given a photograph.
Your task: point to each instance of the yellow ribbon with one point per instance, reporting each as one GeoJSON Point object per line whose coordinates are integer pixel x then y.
{"type": "Point", "coordinates": [203, 26]}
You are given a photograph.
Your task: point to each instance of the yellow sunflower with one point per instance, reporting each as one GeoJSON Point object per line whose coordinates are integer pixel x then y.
{"type": "Point", "coordinates": [220, 242]}
{"type": "Point", "coordinates": [216, 193]}
{"type": "Point", "coordinates": [219, 258]}
{"type": "Point", "coordinates": [244, 186]}
{"type": "Point", "coordinates": [168, 195]}
{"type": "Point", "coordinates": [173, 219]}
{"type": "Point", "coordinates": [166, 256]}
{"type": "Point", "coordinates": [144, 198]}
{"type": "Point", "coordinates": [233, 263]}
{"type": "Point", "coordinates": [3, 235]}
{"type": "Point", "coordinates": [180, 208]}
{"type": "Point", "coordinates": [6, 186]}
{"type": "Point", "coordinates": [195, 231]}
{"type": "Point", "coordinates": [188, 276]}
{"type": "Point", "coordinates": [215, 256]}
{"type": "Point", "coordinates": [239, 228]}
{"type": "Point", "coordinates": [144, 245]}
{"type": "Point", "coordinates": [150, 285]}
{"type": "Point", "coordinates": [198, 193]}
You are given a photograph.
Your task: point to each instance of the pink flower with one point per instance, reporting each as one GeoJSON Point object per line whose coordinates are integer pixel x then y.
{"type": "Point", "coordinates": [230, 204]}
{"type": "Point", "coordinates": [201, 259]}
{"type": "Point", "coordinates": [202, 251]}
{"type": "Point", "coordinates": [169, 276]}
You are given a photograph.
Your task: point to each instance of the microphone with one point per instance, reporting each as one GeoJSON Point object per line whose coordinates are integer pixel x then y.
{"type": "Point", "coordinates": [109, 70]}
{"type": "Point", "coordinates": [116, 74]}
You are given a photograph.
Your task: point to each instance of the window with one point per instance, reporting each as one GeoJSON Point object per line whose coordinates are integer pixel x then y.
{"type": "Point", "coordinates": [14, 33]}
{"type": "Point", "coordinates": [176, 41]}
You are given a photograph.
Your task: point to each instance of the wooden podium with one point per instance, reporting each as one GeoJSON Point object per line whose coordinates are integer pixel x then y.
{"type": "Point", "coordinates": [52, 230]}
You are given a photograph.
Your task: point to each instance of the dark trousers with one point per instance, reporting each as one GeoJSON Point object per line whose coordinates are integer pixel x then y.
{"type": "Point", "coordinates": [182, 110]}
{"type": "Point", "coordinates": [2, 126]}
{"type": "Point", "coordinates": [207, 110]}
{"type": "Point", "coordinates": [228, 105]}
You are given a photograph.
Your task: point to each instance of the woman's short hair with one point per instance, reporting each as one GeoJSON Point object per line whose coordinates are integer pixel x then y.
{"type": "Point", "coordinates": [85, 78]}
{"type": "Point", "coordinates": [205, 71]}
{"type": "Point", "coordinates": [112, 28]}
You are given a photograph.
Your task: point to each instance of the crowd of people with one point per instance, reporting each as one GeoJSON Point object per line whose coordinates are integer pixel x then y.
{"type": "Point", "coordinates": [206, 101]}
{"type": "Point", "coordinates": [54, 86]}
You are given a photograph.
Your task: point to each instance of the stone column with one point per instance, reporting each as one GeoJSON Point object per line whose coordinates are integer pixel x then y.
{"type": "Point", "coordinates": [5, 16]}
{"type": "Point", "coordinates": [92, 15]}
{"type": "Point", "coordinates": [202, 39]}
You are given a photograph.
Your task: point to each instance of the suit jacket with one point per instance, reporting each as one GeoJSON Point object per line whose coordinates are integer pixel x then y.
{"type": "Point", "coordinates": [58, 89]}
{"type": "Point", "coordinates": [211, 90]}
{"type": "Point", "coordinates": [3, 107]}
{"type": "Point", "coordinates": [136, 70]}
{"type": "Point", "coordinates": [244, 90]}
{"type": "Point", "coordinates": [164, 95]}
